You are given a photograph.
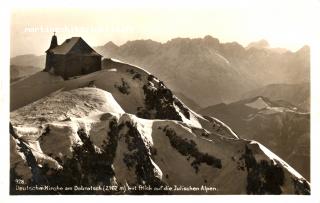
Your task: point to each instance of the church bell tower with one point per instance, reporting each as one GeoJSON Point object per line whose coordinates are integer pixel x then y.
{"type": "Point", "coordinates": [49, 57]}
{"type": "Point", "coordinates": [54, 41]}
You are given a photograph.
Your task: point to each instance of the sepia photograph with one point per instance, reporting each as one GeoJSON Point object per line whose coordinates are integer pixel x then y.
{"type": "Point", "coordinates": [159, 99]}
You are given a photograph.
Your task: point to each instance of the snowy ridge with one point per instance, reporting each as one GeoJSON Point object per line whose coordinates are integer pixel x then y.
{"type": "Point", "coordinates": [259, 103]}
{"type": "Point", "coordinates": [137, 67]}
{"type": "Point", "coordinates": [273, 156]}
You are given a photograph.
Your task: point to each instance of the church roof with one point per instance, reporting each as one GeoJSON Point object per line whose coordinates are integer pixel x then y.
{"type": "Point", "coordinates": [73, 44]}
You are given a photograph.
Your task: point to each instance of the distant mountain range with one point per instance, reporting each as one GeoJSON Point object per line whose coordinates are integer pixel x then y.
{"type": "Point", "coordinates": [279, 125]}
{"type": "Point", "coordinates": [205, 70]}
{"type": "Point", "coordinates": [209, 72]}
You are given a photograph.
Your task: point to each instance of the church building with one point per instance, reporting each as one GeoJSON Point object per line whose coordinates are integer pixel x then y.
{"type": "Point", "coordinates": [74, 57]}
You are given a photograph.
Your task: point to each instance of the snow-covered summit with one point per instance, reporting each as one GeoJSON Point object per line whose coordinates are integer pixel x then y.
{"type": "Point", "coordinates": [123, 127]}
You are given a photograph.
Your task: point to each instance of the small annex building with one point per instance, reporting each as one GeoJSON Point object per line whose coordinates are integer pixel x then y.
{"type": "Point", "coordinates": [74, 57]}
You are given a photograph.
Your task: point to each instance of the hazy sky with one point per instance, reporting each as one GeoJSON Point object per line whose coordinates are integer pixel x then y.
{"type": "Point", "coordinates": [288, 24]}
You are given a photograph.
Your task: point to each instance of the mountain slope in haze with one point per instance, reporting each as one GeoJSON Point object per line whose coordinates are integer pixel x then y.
{"type": "Point", "coordinates": [197, 67]}
{"type": "Point", "coordinates": [297, 94]}
{"type": "Point", "coordinates": [18, 72]}
{"type": "Point", "coordinates": [264, 45]}
{"type": "Point", "coordinates": [122, 127]}
{"type": "Point", "coordinates": [278, 125]}
{"type": "Point", "coordinates": [28, 60]}
{"type": "Point", "coordinates": [25, 65]}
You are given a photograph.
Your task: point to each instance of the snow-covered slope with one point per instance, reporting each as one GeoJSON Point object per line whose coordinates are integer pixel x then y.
{"type": "Point", "coordinates": [123, 127]}
{"type": "Point", "coordinates": [297, 94]}
{"type": "Point", "coordinates": [134, 89]}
